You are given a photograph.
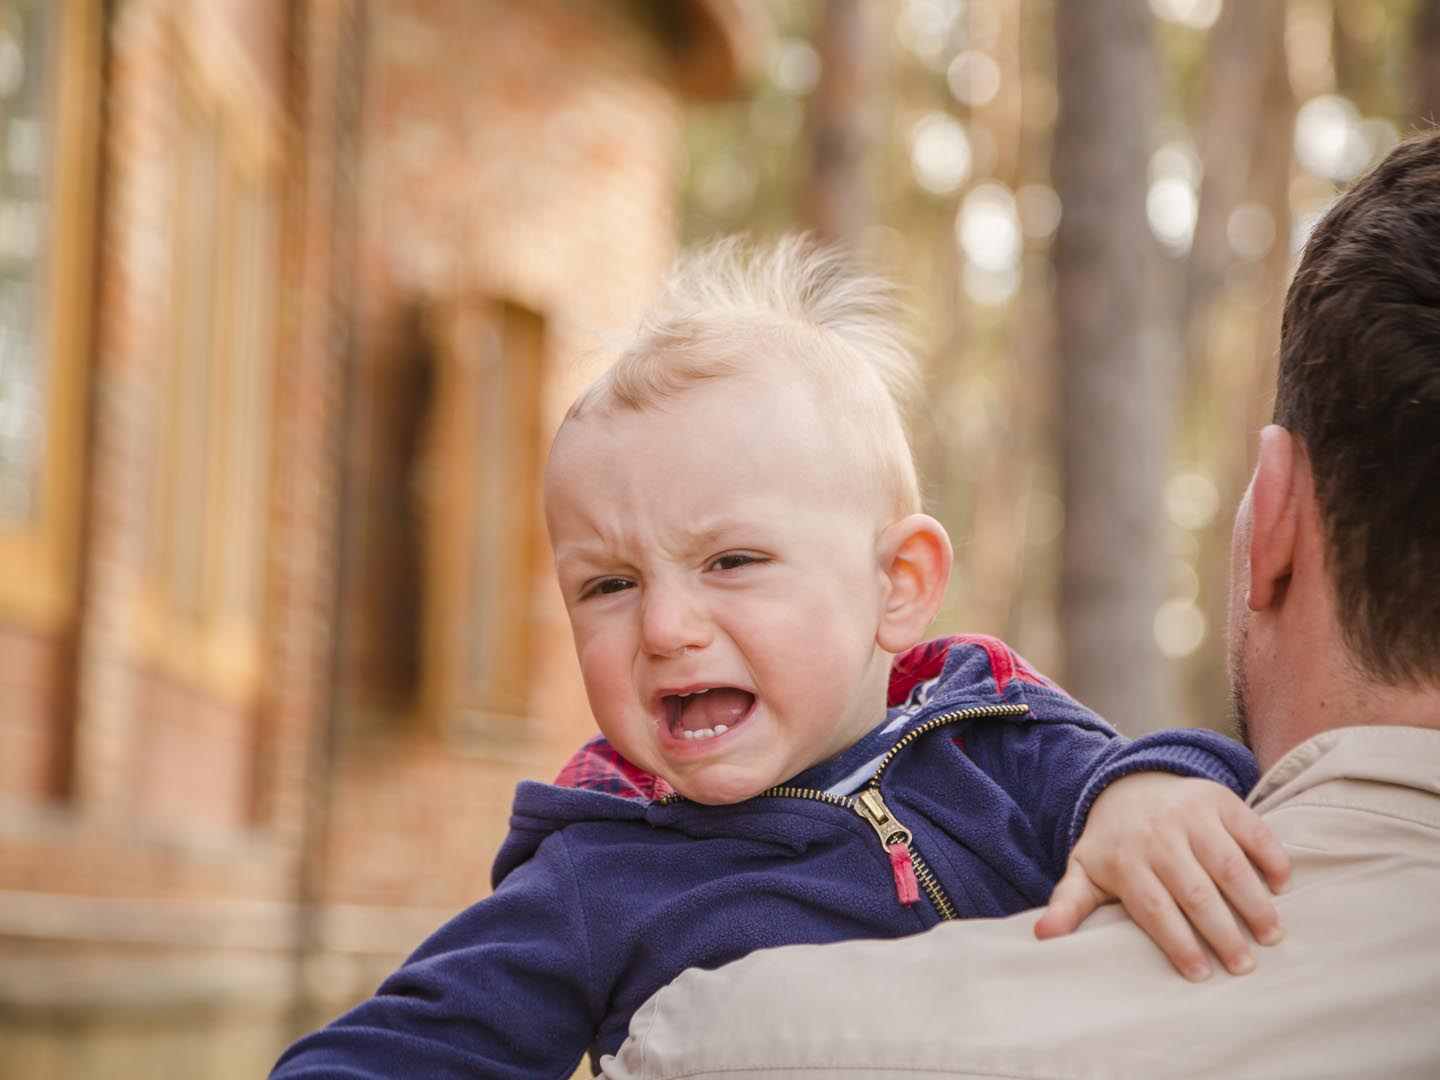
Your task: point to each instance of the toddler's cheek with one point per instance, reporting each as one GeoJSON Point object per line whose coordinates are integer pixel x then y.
{"type": "Point", "coordinates": [612, 702]}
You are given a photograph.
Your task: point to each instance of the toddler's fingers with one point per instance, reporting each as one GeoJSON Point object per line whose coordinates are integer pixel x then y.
{"type": "Point", "coordinates": [1195, 888]}
{"type": "Point", "coordinates": [1259, 843]}
{"type": "Point", "coordinates": [1240, 883]}
{"type": "Point", "coordinates": [1154, 910]}
{"type": "Point", "coordinates": [1074, 899]}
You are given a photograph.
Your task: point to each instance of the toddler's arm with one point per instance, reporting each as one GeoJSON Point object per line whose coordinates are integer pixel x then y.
{"type": "Point", "coordinates": [1173, 850]}
{"type": "Point", "coordinates": [502, 990]}
{"type": "Point", "coordinates": [1058, 764]}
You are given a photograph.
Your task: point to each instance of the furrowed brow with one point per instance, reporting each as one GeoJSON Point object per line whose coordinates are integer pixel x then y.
{"type": "Point", "coordinates": [719, 532]}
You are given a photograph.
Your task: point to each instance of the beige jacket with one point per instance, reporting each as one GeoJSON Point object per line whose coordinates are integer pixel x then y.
{"type": "Point", "coordinates": [1353, 990]}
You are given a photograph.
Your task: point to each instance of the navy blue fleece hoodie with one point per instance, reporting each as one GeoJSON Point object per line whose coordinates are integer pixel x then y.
{"type": "Point", "coordinates": [605, 890]}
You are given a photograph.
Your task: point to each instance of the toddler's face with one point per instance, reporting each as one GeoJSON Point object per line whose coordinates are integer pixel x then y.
{"type": "Point", "coordinates": [723, 584]}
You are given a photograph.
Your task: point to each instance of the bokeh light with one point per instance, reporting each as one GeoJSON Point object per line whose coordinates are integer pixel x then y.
{"type": "Point", "coordinates": [1196, 14]}
{"type": "Point", "coordinates": [1327, 138]}
{"type": "Point", "coordinates": [1191, 500]}
{"type": "Point", "coordinates": [796, 67]}
{"type": "Point", "coordinates": [925, 27]}
{"type": "Point", "coordinates": [1170, 207]}
{"type": "Point", "coordinates": [1250, 231]}
{"type": "Point", "coordinates": [973, 78]}
{"type": "Point", "coordinates": [988, 229]}
{"type": "Point", "coordinates": [940, 153]}
{"type": "Point", "coordinates": [1179, 628]}
{"type": "Point", "coordinates": [1172, 203]}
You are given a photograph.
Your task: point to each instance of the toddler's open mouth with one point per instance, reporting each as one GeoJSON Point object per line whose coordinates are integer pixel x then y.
{"type": "Point", "coordinates": [704, 714]}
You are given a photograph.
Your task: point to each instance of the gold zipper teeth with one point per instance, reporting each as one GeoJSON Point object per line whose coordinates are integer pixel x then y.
{"type": "Point", "coordinates": [812, 794]}
{"type": "Point", "coordinates": [808, 794]}
{"type": "Point", "coordinates": [977, 712]}
{"type": "Point", "coordinates": [943, 907]}
{"type": "Point", "coordinates": [923, 874]}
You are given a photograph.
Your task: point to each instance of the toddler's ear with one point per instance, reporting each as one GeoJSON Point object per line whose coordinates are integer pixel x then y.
{"type": "Point", "coordinates": [915, 559]}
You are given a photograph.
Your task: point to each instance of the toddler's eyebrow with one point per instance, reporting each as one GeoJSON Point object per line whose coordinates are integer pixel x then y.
{"type": "Point", "coordinates": [584, 556]}
{"type": "Point", "coordinates": [707, 534]}
{"type": "Point", "coordinates": [697, 540]}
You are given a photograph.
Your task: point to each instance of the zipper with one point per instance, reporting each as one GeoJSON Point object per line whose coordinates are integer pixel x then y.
{"type": "Point", "coordinates": [978, 712]}
{"type": "Point", "coordinates": [911, 871]}
{"type": "Point", "coordinates": [895, 839]}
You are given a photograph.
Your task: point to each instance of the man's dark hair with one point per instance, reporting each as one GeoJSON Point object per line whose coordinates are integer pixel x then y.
{"type": "Point", "coordinates": [1360, 385]}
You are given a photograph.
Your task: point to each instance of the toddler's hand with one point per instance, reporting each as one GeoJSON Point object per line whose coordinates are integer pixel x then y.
{"type": "Point", "coordinates": [1173, 850]}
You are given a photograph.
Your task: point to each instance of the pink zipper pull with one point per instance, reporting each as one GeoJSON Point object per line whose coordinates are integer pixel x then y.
{"type": "Point", "coordinates": [906, 887]}
{"type": "Point", "coordinates": [896, 839]}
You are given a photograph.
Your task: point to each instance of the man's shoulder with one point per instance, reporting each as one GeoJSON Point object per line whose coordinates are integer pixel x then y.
{"type": "Point", "coordinates": [981, 998]}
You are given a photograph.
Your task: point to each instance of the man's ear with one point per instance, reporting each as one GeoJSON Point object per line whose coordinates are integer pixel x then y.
{"type": "Point", "coordinates": [1274, 510]}
{"type": "Point", "coordinates": [915, 560]}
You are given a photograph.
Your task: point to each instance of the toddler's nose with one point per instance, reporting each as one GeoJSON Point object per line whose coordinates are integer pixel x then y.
{"type": "Point", "coordinates": [672, 623]}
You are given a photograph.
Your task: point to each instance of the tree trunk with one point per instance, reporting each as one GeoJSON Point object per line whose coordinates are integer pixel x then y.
{"type": "Point", "coordinates": [1232, 308]}
{"type": "Point", "coordinates": [1116, 409]}
{"type": "Point", "coordinates": [1245, 48]}
{"type": "Point", "coordinates": [836, 206]}
{"type": "Point", "coordinates": [1427, 64]}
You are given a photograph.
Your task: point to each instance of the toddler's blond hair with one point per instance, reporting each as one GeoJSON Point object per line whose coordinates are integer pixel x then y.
{"type": "Point", "coordinates": [800, 304]}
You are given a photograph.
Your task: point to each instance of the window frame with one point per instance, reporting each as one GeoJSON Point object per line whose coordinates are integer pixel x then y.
{"type": "Point", "coordinates": [457, 695]}
{"type": "Point", "coordinates": [39, 559]}
{"type": "Point", "coordinates": [217, 651]}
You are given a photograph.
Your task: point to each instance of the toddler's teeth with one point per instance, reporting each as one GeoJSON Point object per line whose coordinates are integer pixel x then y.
{"type": "Point", "coordinates": [689, 734]}
{"type": "Point", "coordinates": [720, 729]}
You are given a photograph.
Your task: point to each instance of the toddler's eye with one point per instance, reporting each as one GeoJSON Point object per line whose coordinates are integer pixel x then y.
{"type": "Point", "coordinates": [606, 587]}
{"type": "Point", "coordinates": [732, 561]}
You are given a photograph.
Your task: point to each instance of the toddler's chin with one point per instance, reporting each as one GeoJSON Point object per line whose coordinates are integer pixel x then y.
{"type": "Point", "coordinates": [719, 785]}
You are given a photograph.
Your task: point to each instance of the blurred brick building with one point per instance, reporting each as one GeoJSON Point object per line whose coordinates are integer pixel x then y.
{"type": "Point", "coordinates": [292, 293]}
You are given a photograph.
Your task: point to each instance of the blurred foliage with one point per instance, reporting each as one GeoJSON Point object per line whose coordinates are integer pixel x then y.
{"type": "Point", "coordinates": [961, 107]}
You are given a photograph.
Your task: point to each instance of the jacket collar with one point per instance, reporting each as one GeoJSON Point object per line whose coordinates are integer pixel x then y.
{"type": "Point", "coordinates": [1403, 758]}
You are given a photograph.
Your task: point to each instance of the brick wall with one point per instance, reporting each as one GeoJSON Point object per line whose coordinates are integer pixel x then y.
{"type": "Point", "coordinates": [32, 740]}
{"type": "Point", "coordinates": [147, 915]}
{"type": "Point", "coordinates": [186, 876]}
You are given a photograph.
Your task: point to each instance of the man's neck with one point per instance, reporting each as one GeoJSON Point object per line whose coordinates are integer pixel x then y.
{"type": "Point", "coordinates": [1361, 703]}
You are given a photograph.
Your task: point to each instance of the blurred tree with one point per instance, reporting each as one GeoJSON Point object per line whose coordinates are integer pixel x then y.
{"type": "Point", "coordinates": [1116, 405]}
{"type": "Point", "coordinates": [1229, 310]}
{"type": "Point", "coordinates": [836, 203]}
{"type": "Point", "coordinates": [1427, 62]}
{"type": "Point", "coordinates": [1181, 126]}
{"type": "Point", "coordinates": [1246, 56]}
{"type": "Point", "coordinates": [1358, 52]}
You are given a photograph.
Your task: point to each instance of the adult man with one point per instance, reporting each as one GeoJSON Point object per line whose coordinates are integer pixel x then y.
{"type": "Point", "coordinates": [1335, 669]}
